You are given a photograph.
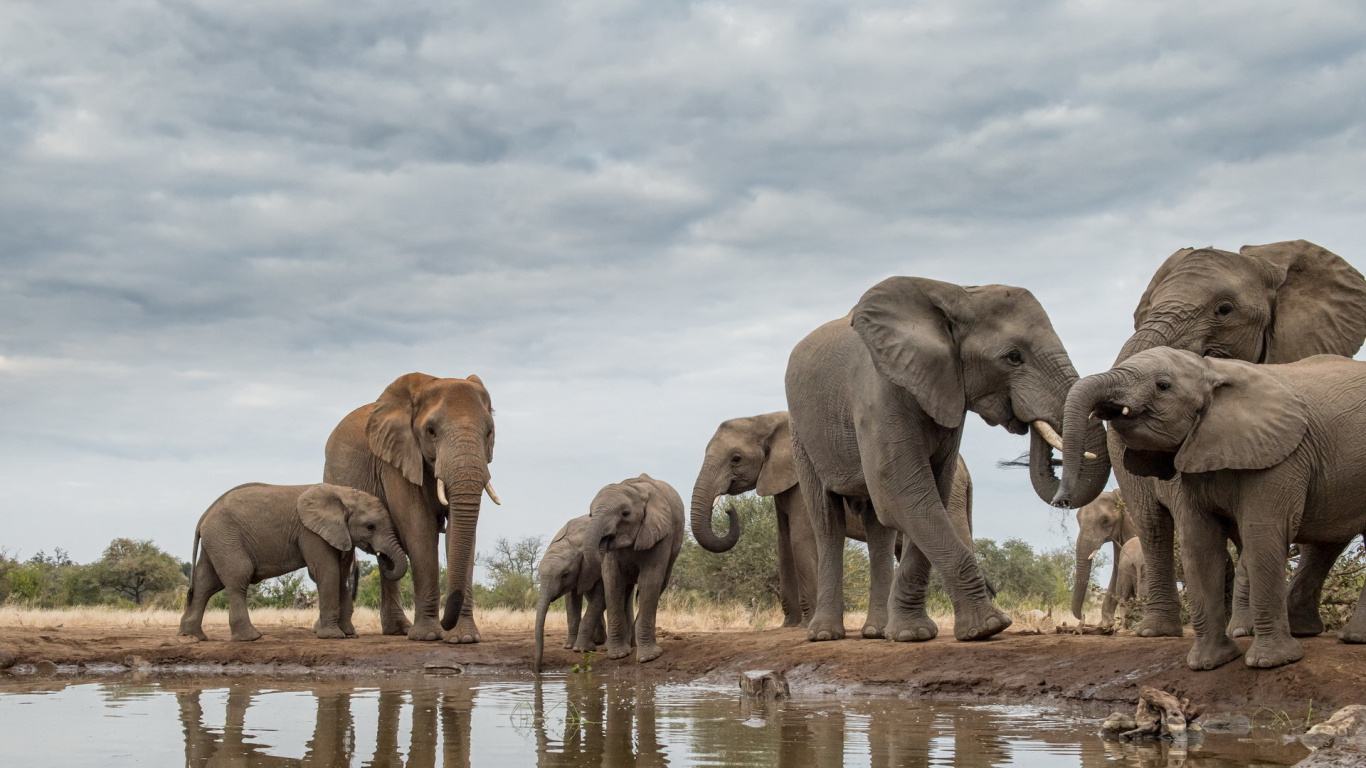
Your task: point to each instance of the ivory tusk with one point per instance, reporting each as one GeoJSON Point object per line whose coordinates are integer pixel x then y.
{"type": "Point", "coordinates": [493, 495]}
{"type": "Point", "coordinates": [441, 493]}
{"type": "Point", "coordinates": [1124, 411]}
{"type": "Point", "coordinates": [715, 501]}
{"type": "Point", "coordinates": [1090, 415]}
{"type": "Point", "coordinates": [1051, 437]}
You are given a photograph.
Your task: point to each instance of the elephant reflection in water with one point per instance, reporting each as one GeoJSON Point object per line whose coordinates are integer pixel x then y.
{"type": "Point", "coordinates": [334, 740]}
{"type": "Point", "coordinates": [612, 725]}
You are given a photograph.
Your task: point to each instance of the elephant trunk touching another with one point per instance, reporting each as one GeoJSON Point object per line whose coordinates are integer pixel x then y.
{"type": "Point", "coordinates": [1078, 431]}
{"type": "Point", "coordinates": [712, 482]}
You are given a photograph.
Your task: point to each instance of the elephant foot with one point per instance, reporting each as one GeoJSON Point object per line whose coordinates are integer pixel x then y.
{"type": "Point", "coordinates": [195, 632]}
{"type": "Point", "coordinates": [1306, 623]}
{"type": "Point", "coordinates": [618, 651]}
{"type": "Point", "coordinates": [584, 648]}
{"type": "Point", "coordinates": [979, 624]}
{"type": "Point", "coordinates": [1212, 654]}
{"type": "Point", "coordinates": [569, 645]}
{"type": "Point", "coordinates": [1159, 625]}
{"type": "Point", "coordinates": [648, 652]}
{"type": "Point", "coordinates": [912, 628]}
{"type": "Point", "coordinates": [427, 629]}
{"type": "Point", "coordinates": [825, 628]}
{"type": "Point", "coordinates": [397, 625]}
{"type": "Point", "coordinates": [348, 628]}
{"type": "Point", "coordinates": [792, 621]}
{"type": "Point", "coordinates": [1354, 632]}
{"type": "Point", "coordinates": [330, 633]}
{"type": "Point", "coordinates": [1267, 652]}
{"type": "Point", "coordinates": [873, 632]}
{"type": "Point", "coordinates": [464, 631]}
{"type": "Point", "coordinates": [1241, 624]}
{"type": "Point", "coordinates": [246, 635]}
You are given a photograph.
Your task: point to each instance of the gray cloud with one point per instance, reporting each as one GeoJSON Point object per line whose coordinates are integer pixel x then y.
{"type": "Point", "coordinates": [223, 225]}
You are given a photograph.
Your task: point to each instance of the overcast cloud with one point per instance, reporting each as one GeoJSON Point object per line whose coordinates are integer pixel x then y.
{"type": "Point", "coordinates": [224, 225]}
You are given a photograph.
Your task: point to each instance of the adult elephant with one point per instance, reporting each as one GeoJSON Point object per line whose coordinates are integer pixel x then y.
{"type": "Point", "coordinates": [1103, 521]}
{"type": "Point", "coordinates": [877, 401]}
{"type": "Point", "coordinates": [1274, 303]}
{"type": "Point", "coordinates": [423, 448]}
{"type": "Point", "coordinates": [755, 454]}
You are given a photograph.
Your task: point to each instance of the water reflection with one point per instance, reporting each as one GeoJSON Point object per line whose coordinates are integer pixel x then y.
{"type": "Point", "coordinates": [579, 720]}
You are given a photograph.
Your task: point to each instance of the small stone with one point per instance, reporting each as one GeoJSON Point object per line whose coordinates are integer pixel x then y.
{"type": "Point", "coordinates": [442, 668]}
{"type": "Point", "coordinates": [764, 684]}
{"type": "Point", "coordinates": [45, 668]}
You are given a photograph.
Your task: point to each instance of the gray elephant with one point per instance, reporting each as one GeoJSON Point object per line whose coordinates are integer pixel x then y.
{"type": "Point", "coordinates": [755, 454]}
{"type": "Point", "coordinates": [1273, 303]}
{"type": "Point", "coordinates": [256, 531]}
{"type": "Point", "coordinates": [567, 570]}
{"type": "Point", "coordinates": [877, 401]}
{"type": "Point", "coordinates": [1264, 454]}
{"type": "Point", "coordinates": [423, 448]}
{"type": "Point", "coordinates": [1129, 584]}
{"type": "Point", "coordinates": [1102, 521]}
{"type": "Point", "coordinates": [635, 535]}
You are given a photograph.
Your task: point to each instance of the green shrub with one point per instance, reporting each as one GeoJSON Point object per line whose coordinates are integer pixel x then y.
{"type": "Point", "coordinates": [511, 575]}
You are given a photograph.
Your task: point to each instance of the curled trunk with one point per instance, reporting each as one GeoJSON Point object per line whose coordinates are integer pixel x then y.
{"type": "Point", "coordinates": [393, 561]}
{"type": "Point", "coordinates": [1081, 433]}
{"type": "Point", "coordinates": [704, 493]}
{"type": "Point", "coordinates": [542, 606]}
{"type": "Point", "coordinates": [1093, 473]}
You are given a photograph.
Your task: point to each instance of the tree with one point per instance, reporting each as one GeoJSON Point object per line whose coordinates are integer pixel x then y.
{"type": "Point", "coordinates": [512, 574]}
{"type": "Point", "coordinates": [136, 569]}
{"type": "Point", "coordinates": [748, 573]}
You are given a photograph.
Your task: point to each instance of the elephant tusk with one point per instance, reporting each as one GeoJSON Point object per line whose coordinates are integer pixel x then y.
{"type": "Point", "coordinates": [715, 501]}
{"type": "Point", "coordinates": [1124, 411]}
{"type": "Point", "coordinates": [1090, 415]}
{"type": "Point", "coordinates": [1051, 437]}
{"type": "Point", "coordinates": [493, 495]}
{"type": "Point", "coordinates": [441, 493]}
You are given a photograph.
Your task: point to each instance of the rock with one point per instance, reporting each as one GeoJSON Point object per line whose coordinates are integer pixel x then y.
{"type": "Point", "coordinates": [442, 668]}
{"type": "Point", "coordinates": [1117, 723]}
{"type": "Point", "coordinates": [1227, 723]}
{"type": "Point", "coordinates": [1333, 758]}
{"type": "Point", "coordinates": [45, 668]}
{"type": "Point", "coordinates": [764, 684]}
{"type": "Point", "coordinates": [1345, 730]}
{"type": "Point", "coordinates": [136, 662]}
{"type": "Point", "coordinates": [6, 659]}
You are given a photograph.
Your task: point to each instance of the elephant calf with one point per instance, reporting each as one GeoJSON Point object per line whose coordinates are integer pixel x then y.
{"type": "Point", "coordinates": [256, 531]}
{"type": "Point", "coordinates": [635, 534]}
{"type": "Point", "coordinates": [566, 569]}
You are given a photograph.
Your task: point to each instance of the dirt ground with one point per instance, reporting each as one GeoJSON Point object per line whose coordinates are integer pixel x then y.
{"type": "Point", "coordinates": [1096, 671]}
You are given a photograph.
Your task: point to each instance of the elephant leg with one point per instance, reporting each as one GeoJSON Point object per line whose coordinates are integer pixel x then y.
{"type": "Point", "coordinates": [415, 521]}
{"type": "Point", "coordinates": [1306, 587]}
{"type": "Point", "coordinates": [238, 617]}
{"type": "Point", "coordinates": [1112, 598]}
{"type": "Point", "coordinates": [1355, 630]}
{"type": "Point", "coordinates": [908, 620]}
{"type": "Point", "coordinates": [615, 590]}
{"type": "Point", "coordinates": [345, 604]}
{"type": "Point", "coordinates": [465, 629]}
{"type": "Point", "coordinates": [651, 585]}
{"type": "Point", "coordinates": [827, 521]}
{"type": "Point", "coordinates": [325, 566]}
{"type": "Point", "coordinates": [1203, 554]}
{"type": "Point", "coordinates": [787, 574]}
{"type": "Point", "coordinates": [573, 605]}
{"type": "Point", "coordinates": [628, 607]}
{"type": "Point", "coordinates": [1263, 530]}
{"type": "Point", "coordinates": [592, 633]}
{"type": "Point", "coordinates": [880, 543]}
{"type": "Point", "coordinates": [1240, 610]}
{"type": "Point", "coordinates": [1156, 531]}
{"type": "Point", "coordinates": [206, 585]}
{"type": "Point", "coordinates": [802, 539]}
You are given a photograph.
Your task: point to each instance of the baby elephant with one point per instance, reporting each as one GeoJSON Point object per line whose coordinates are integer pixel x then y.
{"type": "Point", "coordinates": [567, 569]}
{"type": "Point", "coordinates": [636, 528]}
{"type": "Point", "coordinates": [256, 531]}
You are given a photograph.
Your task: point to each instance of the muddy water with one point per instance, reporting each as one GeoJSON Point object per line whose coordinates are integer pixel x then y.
{"type": "Point", "coordinates": [563, 721]}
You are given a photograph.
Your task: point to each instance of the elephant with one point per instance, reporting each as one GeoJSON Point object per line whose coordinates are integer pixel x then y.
{"type": "Point", "coordinates": [1103, 520]}
{"type": "Point", "coordinates": [257, 531]}
{"type": "Point", "coordinates": [1264, 454]}
{"type": "Point", "coordinates": [634, 536]}
{"type": "Point", "coordinates": [565, 570]}
{"type": "Point", "coordinates": [755, 454]}
{"type": "Point", "coordinates": [423, 448]}
{"type": "Point", "coordinates": [877, 401]}
{"type": "Point", "coordinates": [1274, 303]}
{"type": "Point", "coordinates": [1129, 585]}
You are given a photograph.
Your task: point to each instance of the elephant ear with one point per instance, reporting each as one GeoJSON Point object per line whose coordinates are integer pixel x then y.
{"type": "Point", "coordinates": [323, 512]}
{"type": "Point", "coordinates": [1150, 463]}
{"type": "Point", "coordinates": [1253, 421]}
{"type": "Point", "coordinates": [488, 403]}
{"type": "Point", "coordinates": [658, 518]}
{"type": "Point", "coordinates": [1320, 304]}
{"type": "Point", "coordinates": [390, 428]}
{"type": "Point", "coordinates": [906, 324]}
{"type": "Point", "coordinates": [780, 469]}
{"type": "Point", "coordinates": [1145, 304]}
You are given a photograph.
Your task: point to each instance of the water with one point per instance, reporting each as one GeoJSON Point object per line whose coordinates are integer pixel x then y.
{"type": "Point", "coordinates": [564, 721]}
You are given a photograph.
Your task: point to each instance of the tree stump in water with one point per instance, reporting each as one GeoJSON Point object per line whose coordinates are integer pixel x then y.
{"type": "Point", "coordinates": [1158, 714]}
{"type": "Point", "coordinates": [764, 684]}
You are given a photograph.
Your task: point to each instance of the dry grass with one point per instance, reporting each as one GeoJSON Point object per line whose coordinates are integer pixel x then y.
{"type": "Point", "coordinates": [709, 618]}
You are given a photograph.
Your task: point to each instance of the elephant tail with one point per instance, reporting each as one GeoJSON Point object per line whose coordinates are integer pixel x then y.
{"type": "Point", "coordinates": [355, 577]}
{"type": "Point", "coordinates": [194, 563]}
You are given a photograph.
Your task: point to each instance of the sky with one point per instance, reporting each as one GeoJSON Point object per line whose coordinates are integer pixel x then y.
{"type": "Point", "coordinates": [225, 224]}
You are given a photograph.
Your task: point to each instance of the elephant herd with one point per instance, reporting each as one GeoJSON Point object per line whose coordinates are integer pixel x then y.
{"type": "Point", "coordinates": [1233, 414]}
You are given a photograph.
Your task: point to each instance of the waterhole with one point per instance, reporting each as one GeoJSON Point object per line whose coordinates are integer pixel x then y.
{"type": "Point", "coordinates": [572, 720]}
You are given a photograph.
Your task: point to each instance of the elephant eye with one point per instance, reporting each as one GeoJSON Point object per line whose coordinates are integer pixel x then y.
{"type": "Point", "coordinates": [1224, 309]}
{"type": "Point", "coordinates": [370, 527]}
{"type": "Point", "coordinates": [1164, 385]}
{"type": "Point", "coordinates": [431, 431]}
{"type": "Point", "coordinates": [625, 513]}
{"type": "Point", "coordinates": [735, 459]}
{"type": "Point", "coordinates": [1014, 357]}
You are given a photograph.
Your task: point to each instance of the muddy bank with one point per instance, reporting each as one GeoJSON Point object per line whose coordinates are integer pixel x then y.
{"type": "Point", "coordinates": [1090, 670]}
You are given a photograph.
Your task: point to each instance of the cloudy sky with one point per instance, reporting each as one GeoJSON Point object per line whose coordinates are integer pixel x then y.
{"type": "Point", "coordinates": [225, 224]}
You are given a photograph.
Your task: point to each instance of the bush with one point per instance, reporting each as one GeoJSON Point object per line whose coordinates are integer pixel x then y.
{"type": "Point", "coordinates": [134, 570]}
{"type": "Point", "coordinates": [748, 573]}
{"type": "Point", "coordinates": [512, 575]}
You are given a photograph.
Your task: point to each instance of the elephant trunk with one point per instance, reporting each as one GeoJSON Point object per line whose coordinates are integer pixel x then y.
{"type": "Point", "coordinates": [1144, 338]}
{"type": "Point", "coordinates": [542, 606]}
{"type": "Point", "coordinates": [1084, 479]}
{"type": "Point", "coordinates": [1086, 550]}
{"type": "Point", "coordinates": [393, 561]}
{"type": "Point", "coordinates": [708, 487]}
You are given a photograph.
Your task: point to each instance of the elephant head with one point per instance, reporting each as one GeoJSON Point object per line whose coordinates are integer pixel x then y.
{"type": "Point", "coordinates": [346, 518]}
{"type": "Point", "coordinates": [990, 349]}
{"type": "Point", "coordinates": [749, 454]}
{"type": "Point", "coordinates": [439, 434]}
{"type": "Point", "coordinates": [1273, 303]}
{"type": "Point", "coordinates": [564, 568]}
{"type": "Point", "coordinates": [1179, 412]}
{"type": "Point", "coordinates": [631, 514]}
{"type": "Point", "coordinates": [1103, 520]}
